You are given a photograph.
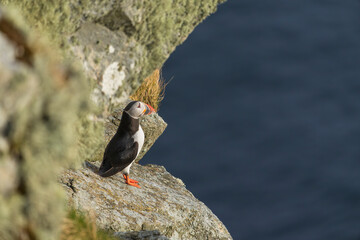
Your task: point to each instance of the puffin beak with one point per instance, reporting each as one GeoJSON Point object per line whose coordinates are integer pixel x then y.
{"type": "Point", "coordinates": [149, 109]}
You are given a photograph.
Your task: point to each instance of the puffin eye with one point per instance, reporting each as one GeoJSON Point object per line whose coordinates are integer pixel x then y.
{"type": "Point", "coordinates": [139, 105]}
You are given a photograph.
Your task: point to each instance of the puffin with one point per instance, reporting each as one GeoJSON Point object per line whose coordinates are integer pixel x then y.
{"type": "Point", "coordinates": [125, 145]}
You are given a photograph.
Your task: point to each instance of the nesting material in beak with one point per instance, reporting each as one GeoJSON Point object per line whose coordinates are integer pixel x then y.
{"type": "Point", "coordinates": [149, 109]}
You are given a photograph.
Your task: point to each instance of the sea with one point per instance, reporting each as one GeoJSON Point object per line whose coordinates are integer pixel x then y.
{"type": "Point", "coordinates": [263, 113]}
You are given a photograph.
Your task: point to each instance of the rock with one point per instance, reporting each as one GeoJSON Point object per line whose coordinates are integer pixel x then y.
{"type": "Point", "coordinates": [118, 42]}
{"type": "Point", "coordinates": [40, 101]}
{"type": "Point", "coordinates": [163, 203]}
{"type": "Point", "coordinates": [153, 126]}
{"type": "Point", "coordinates": [9, 178]}
{"type": "Point", "coordinates": [122, 42]}
{"type": "Point", "coordinates": [108, 58]}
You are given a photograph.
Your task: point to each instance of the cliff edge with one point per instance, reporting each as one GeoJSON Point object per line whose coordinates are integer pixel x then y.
{"type": "Point", "coordinates": [162, 203]}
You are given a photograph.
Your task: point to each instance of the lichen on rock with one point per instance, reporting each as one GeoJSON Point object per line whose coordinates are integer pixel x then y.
{"type": "Point", "coordinates": [112, 79]}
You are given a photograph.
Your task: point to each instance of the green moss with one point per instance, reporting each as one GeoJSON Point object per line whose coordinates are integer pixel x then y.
{"type": "Point", "coordinates": [11, 217]}
{"type": "Point", "coordinates": [80, 226]}
{"type": "Point", "coordinates": [96, 60]}
{"type": "Point", "coordinates": [54, 18]}
{"type": "Point", "coordinates": [91, 141]}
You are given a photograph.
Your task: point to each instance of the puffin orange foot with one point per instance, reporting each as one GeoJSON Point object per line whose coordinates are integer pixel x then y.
{"type": "Point", "coordinates": [129, 179]}
{"type": "Point", "coordinates": [131, 182]}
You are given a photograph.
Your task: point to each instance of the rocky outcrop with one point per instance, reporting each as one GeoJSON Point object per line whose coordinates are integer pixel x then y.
{"type": "Point", "coordinates": [163, 203]}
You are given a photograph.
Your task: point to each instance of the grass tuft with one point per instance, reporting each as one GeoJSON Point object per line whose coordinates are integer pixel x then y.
{"type": "Point", "coordinates": [77, 226]}
{"type": "Point", "coordinates": [151, 91]}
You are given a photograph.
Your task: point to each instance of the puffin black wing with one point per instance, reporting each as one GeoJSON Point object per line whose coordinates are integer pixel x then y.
{"type": "Point", "coordinates": [117, 158]}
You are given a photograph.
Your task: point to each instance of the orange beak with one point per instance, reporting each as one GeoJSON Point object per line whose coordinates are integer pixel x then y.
{"type": "Point", "coordinates": [149, 109]}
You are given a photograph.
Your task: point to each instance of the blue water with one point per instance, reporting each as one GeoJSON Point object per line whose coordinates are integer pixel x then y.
{"type": "Point", "coordinates": [264, 118]}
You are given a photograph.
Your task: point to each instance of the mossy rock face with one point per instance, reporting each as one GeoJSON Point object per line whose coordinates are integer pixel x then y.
{"type": "Point", "coordinates": [119, 42]}
{"type": "Point", "coordinates": [40, 103]}
{"type": "Point", "coordinates": [161, 204]}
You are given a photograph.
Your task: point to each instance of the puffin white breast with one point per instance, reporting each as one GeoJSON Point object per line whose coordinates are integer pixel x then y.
{"type": "Point", "coordinates": [139, 137]}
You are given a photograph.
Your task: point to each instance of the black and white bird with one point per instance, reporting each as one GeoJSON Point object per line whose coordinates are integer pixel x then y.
{"type": "Point", "coordinates": [126, 144]}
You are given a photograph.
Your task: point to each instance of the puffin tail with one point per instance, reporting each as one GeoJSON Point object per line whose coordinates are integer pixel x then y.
{"type": "Point", "coordinates": [108, 173]}
{"type": "Point", "coordinates": [106, 170]}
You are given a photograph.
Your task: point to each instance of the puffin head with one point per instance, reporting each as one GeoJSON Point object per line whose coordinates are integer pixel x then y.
{"type": "Point", "coordinates": [138, 109]}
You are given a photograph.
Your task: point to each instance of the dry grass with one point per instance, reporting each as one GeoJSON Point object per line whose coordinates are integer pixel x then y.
{"type": "Point", "coordinates": [151, 90]}
{"type": "Point", "coordinates": [77, 226]}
